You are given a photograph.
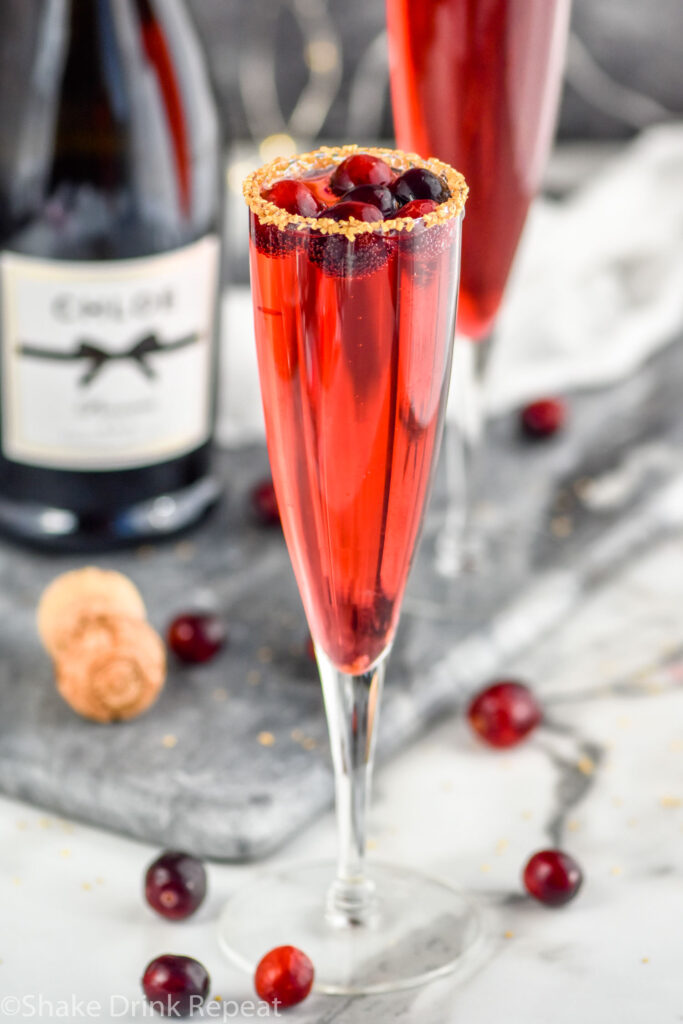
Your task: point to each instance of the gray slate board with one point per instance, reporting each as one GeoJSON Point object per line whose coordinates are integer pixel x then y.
{"type": "Point", "coordinates": [221, 793]}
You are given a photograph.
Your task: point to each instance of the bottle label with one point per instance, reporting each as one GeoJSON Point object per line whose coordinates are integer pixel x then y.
{"type": "Point", "coordinates": [107, 365]}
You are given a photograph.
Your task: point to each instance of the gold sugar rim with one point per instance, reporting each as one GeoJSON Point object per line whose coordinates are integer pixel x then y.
{"type": "Point", "coordinates": [303, 163]}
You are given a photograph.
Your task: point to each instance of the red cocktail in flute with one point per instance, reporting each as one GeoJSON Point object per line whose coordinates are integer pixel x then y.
{"type": "Point", "coordinates": [354, 268]}
{"type": "Point", "coordinates": [477, 83]}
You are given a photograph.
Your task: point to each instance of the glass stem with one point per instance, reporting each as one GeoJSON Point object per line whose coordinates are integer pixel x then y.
{"type": "Point", "coordinates": [459, 545]}
{"type": "Point", "coordinates": [352, 708]}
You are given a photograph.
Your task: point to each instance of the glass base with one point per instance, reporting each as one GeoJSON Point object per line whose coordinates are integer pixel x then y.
{"type": "Point", "coordinates": [422, 929]}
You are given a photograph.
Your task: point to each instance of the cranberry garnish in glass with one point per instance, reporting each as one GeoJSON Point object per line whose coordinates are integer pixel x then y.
{"type": "Point", "coordinates": [354, 325]}
{"type": "Point", "coordinates": [478, 83]}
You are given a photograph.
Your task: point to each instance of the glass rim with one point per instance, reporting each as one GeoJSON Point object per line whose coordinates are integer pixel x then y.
{"type": "Point", "coordinates": [322, 157]}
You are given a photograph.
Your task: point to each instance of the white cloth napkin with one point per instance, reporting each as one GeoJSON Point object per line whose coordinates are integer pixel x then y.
{"type": "Point", "coordinates": [597, 288]}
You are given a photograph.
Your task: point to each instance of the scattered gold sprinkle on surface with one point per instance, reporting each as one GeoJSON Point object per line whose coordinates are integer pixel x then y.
{"type": "Point", "coordinates": [645, 960]}
{"type": "Point", "coordinates": [266, 739]}
{"type": "Point", "coordinates": [253, 677]}
{"type": "Point", "coordinates": [22, 825]}
{"type": "Point", "coordinates": [616, 870]}
{"type": "Point", "coordinates": [65, 852]}
{"type": "Point", "coordinates": [501, 846]}
{"type": "Point", "coordinates": [670, 801]}
{"type": "Point", "coordinates": [485, 868]}
{"type": "Point", "coordinates": [508, 934]}
{"type": "Point", "coordinates": [86, 886]}
{"type": "Point", "coordinates": [561, 526]}
{"type": "Point", "coordinates": [308, 743]}
{"type": "Point", "coordinates": [326, 156]}
{"type": "Point", "coordinates": [573, 825]}
{"type": "Point", "coordinates": [586, 765]}
{"type": "Point", "coordinates": [169, 741]}
{"type": "Point", "coordinates": [298, 735]}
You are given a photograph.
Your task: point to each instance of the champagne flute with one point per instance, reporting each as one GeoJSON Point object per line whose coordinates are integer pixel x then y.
{"type": "Point", "coordinates": [354, 329]}
{"type": "Point", "coordinates": [477, 83]}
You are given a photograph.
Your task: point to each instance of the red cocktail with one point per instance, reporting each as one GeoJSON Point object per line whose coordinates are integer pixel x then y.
{"type": "Point", "coordinates": [354, 267]}
{"type": "Point", "coordinates": [476, 82]}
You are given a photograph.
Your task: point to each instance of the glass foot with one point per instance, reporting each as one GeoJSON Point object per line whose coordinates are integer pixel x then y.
{"type": "Point", "coordinates": [423, 929]}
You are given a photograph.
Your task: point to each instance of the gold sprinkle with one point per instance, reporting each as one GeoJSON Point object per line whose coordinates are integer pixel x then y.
{"type": "Point", "coordinates": [16, 881]}
{"type": "Point", "coordinates": [574, 825]}
{"type": "Point", "coordinates": [99, 881]}
{"type": "Point", "coordinates": [65, 852]}
{"type": "Point", "coordinates": [670, 801]}
{"type": "Point", "coordinates": [485, 868]}
{"type": "Point", "coordinates": [617, 801]}
{"type": "Point", "coordinates": [68, 828]}
{"type": "Point", "coordinates": [268, 213]}
{"type": "Point", "coordinates": [561, 526]}
{"type": "Point", "coordinates": [220, 694]}
{"type": "Point", "coordinates": [264, 655]}
{"type": "Point", "coordinates": [86, 886]}
{"type": "Point", "coordinates": [501, 846]}
{"type": "Point", "coordinates": [371, 844]}
{"type": "Point", "coordinates": [185, 550]}
{"type": "Point", "coordinates": [308, 743]}
{"type": "Point", "coordinates": [169, 741]}
{"type": "Point", "coordinates": [632, 822]}
{"type": "Point", "coordinates": [586, 765]}
{"type": "Point", "coordinates": [645, 960]}
{"type": "Point", "coordinates": [218, 999]}
{"type": "Point", "coordinates": [527, 815]}
{"type": "Point", "coordinates": [508, 934]}
{"type": "Point", "coordinates": [624, 722]}
{"type": "Point", "coordinates": [616, 870]}
{"type": "Point", "coordinates": [297, 735]}
{"type": "Point", "coordinates": [22, 825]}
{"type": "Point", "coordinates": [45, 823]}
{"type": "Point", "coordinates": [253, 677]}
{"type": "Point", "coordinates": [266, 739]}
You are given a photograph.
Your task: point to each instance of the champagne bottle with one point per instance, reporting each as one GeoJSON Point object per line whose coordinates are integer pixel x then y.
{"type": "Point", "coordinates": [109, 271]}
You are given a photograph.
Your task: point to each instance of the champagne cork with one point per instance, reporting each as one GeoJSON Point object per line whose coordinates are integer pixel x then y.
{"type": "Point", "coordinates": [75, 599]}
{"type": "Point", "coordinates": [110, 664]}
{"type": "Point", "coordinates": [114, 674]}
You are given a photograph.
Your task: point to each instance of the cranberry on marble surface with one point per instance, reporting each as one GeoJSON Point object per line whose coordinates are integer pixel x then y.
{"type": "Point", "coordinates": [196, 637]}
{"type": "Point", "coordinates": [504, 713]}
{"type": "Point", "coordinates": [284, 977]}
{"type": "Point", "coordinates": [264, 503]}
{"type": "Point", "coordinates": [175, 885]}
{"type": "Point", "coordinates": [176, 986]}
{"type": "Point", "coordinates": [552, 877]}
{"type": "Point", "coordinates": [543, 418]}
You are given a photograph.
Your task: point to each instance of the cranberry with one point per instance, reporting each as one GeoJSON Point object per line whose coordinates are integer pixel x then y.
{"type": "Point", "coordinates": [504, 713]}
{"type": "Point", "coordinates": [419, 183]}
{"type": "Point", "coordinates": [196, 637]}
{"type": "Point", "coordinates": [361, 211]}
{"type": "Point", "coordinates": [552, 877]}
{"type": "Point", "coordinates": [418, 208]}
{"type": "Point", "coordinates": [543, 418]}
{"type": "Point", "coordinates": [284, 977]}
{"type": "Point", "coordinates": [175, 885]}
{"type": "Point", "coordinates": [360, 169]}
{"type": "Point", "coordinates": [294, 196]}
{"type": "Point", "coordinates": [175, 985]}
{"type": "Point", "coordinates": [376, 195]}
{"type": "Point", "coordinates": [310, 649]}
{"type": "Point", "coordinates": [264, 503]}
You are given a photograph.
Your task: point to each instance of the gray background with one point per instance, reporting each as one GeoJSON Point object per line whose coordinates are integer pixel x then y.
{"type": "Point", "coordinates": [624, 70]}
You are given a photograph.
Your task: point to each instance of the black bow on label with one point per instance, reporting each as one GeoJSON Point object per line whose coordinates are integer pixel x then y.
{"type": "Point", "coordinates": [98, 356]}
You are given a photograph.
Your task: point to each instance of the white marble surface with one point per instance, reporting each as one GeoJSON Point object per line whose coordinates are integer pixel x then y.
{"type": "Point", "coordinates": [605, 780]}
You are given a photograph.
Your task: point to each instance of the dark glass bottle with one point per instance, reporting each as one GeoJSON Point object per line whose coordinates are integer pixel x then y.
{"type": "Point", "coordinates": [110, 212]}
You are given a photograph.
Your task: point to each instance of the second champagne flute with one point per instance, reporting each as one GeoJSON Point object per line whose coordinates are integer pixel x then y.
{"type": "Point", "coordinates": [477, 83]}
